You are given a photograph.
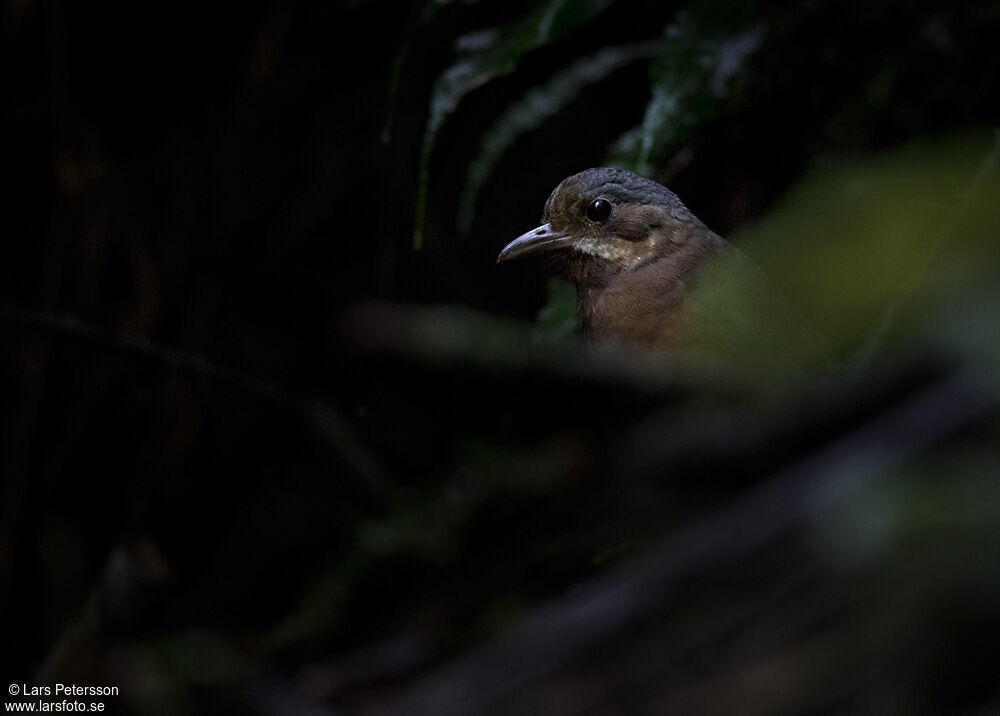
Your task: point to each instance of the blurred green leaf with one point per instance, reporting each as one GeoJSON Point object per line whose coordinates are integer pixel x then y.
{"type": "Point", "coordinates": [321, 608]}
{"type": "Point", "coordinates": [702, 51]}
{"type": "Point", "coordinates": [537, 105]}
{"type": "Point", "coordinates": [199, 657]}
{"type": "Point", "coordinates": [856, 242]}
{"type": "Point", "coordinates": [556, 322]}
{"type": "Point", "coordinates": [485, 55]}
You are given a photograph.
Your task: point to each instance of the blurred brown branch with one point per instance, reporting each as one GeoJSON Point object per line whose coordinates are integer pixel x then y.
{"type": "Point", "coordinates": [608, 605]}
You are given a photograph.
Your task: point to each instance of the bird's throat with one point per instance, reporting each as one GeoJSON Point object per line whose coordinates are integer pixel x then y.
{"type": "Point", "coordinates": [644, 305]}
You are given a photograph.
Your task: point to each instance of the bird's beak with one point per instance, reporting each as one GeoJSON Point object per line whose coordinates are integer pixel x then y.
{"type": "Point", "coordinates": [536, 241]}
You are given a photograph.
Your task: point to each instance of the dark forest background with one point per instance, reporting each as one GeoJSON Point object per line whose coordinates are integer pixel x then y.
{"type": "Point", "coordinates": [279, 436]}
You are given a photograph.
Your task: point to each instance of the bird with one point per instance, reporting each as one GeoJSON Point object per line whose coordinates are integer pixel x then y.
{"type": "Point", "coordinates": [636, 253]}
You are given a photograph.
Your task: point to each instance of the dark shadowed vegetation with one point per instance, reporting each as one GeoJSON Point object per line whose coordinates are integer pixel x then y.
{"type": "Point", "coordinates": [279, 436]}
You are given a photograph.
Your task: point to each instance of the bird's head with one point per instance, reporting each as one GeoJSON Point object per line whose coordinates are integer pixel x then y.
{"type": "Point", "coordinates": [604, 221]}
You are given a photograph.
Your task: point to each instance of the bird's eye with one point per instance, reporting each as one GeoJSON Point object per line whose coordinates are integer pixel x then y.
{"type": "Point", "coordinates": [599, 210]}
